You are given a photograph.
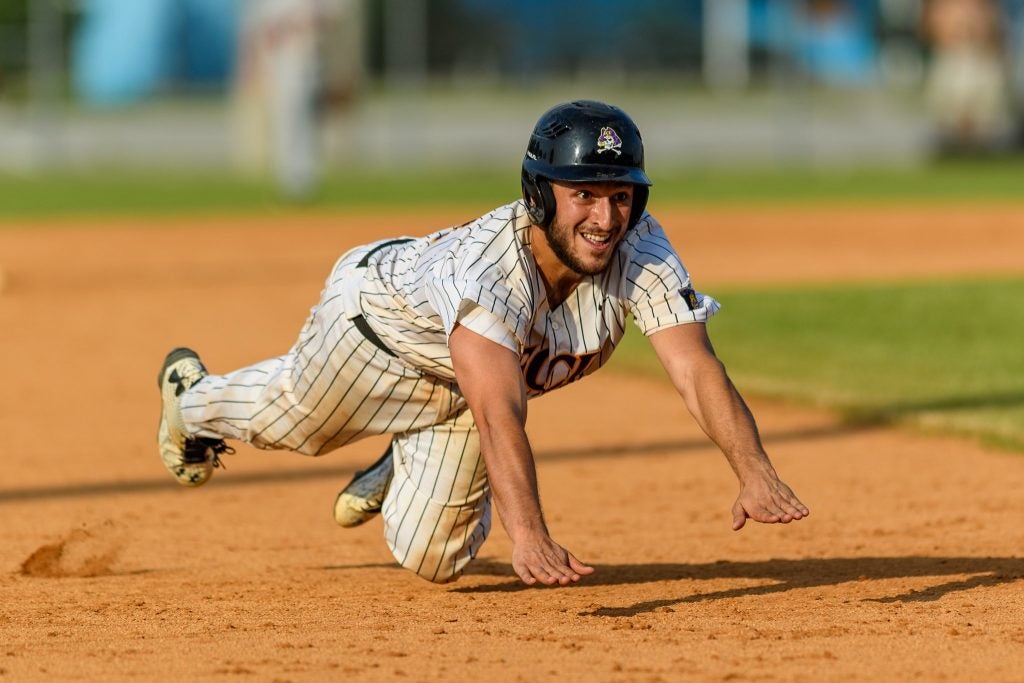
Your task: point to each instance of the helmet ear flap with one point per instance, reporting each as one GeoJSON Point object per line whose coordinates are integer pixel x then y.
{"type": "Point", "coordinates": [641, 193]}
{"type": "Point", "coordinates": [540, 200]}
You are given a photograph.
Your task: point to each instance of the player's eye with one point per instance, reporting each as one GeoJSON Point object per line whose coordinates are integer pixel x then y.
{"type": "Point", "coordinates": [622, 197]}
{"type": "Point", "coordinates": [584, 194]}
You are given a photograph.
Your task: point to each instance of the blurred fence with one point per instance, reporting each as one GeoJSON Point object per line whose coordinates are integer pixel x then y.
{"type": "Point", "coordinates": [240, 83]}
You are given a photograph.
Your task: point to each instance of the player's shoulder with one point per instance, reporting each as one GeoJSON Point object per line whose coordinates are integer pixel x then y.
{"type": "Point", "coordinates": [508, 219]}
{"type": "Point", "coordinates": [504, 219]}
{"type": "Point", "coordinates": [649, 237]}
{"type": "Point", "coordinates": [496, 234]}
{"type": "Point", "coordinates": [489, 247]}
{"type": "Point", "coordinates": [647, 252]}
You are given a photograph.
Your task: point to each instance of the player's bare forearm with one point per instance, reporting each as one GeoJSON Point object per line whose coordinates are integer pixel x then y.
{"type": "Point", "coordinates": [718, 408]}
{"type": "Point", "coordinates": [720, 411]}
{"type": "Point", "coordinates": [512, 474]}
{"type": "Point", "coordinates": [490, 378]}
{"type": "Point", "coordinates": [710, 396]}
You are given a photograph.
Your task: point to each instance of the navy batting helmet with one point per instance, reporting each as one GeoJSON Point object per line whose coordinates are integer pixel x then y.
{"type": "Point", "coordinates": [583, 141]}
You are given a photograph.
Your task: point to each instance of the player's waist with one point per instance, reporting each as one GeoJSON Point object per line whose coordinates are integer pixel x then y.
{"type": "Point", "coordinates": [353, 295]}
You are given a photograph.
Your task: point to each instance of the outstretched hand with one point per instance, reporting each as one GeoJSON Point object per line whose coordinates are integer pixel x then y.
{"type": "Point", "coordinates": [766, 499]}
{"type": "Point", "coordinates": [539, 558]}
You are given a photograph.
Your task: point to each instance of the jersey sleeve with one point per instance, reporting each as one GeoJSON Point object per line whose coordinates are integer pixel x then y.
{"type": "Point", "coordinates": [486, 324]}
{"type": "Point", "coordinates": [479, 297]}
{"type": "Point", "coordinates": [658, 290]}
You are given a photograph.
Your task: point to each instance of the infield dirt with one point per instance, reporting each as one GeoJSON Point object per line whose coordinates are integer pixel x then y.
{"type": "Point", "coordinates": [910, 565]}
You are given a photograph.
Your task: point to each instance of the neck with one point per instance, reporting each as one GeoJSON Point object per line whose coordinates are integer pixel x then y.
{"type": "Point", "coordinates": [559, 280]}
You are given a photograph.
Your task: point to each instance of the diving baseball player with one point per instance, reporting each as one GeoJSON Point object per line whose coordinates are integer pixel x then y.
{"type": "Point", "coordinates": [441, 340]}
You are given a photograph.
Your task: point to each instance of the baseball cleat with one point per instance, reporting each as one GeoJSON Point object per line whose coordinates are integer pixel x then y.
{"type": "Point", "coordinates": [362, 499]}
{"type": "Point", "coordinates": [190, 459]}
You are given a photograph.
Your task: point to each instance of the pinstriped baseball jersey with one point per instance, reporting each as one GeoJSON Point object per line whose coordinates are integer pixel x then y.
{"type": "Point", "coordinates": [483, 276]}
{"type": "Point", "coordinates": [373, 358]}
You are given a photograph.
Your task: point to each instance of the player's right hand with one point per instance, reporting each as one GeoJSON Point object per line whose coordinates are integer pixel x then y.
{"type": "Point", "coordinates": [539, 558]}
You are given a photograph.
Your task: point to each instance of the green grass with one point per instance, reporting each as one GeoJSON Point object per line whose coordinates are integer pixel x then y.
{"type": "Point", "coordinates": [121, 192]}
{"type": "Point", "coordinates": [946, 357]}
{"type": "Point", "coordinates": [116, 192]}
{"type": "Point", "coordinates": [948, 181]}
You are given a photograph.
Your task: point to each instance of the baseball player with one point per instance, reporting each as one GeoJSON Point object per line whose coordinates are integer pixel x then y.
{"type": "Point", "coordinates": [441, 340]}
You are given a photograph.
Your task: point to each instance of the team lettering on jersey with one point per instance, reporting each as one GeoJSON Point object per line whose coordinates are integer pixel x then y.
{"type": "Point", "coordinates": [543, 372]}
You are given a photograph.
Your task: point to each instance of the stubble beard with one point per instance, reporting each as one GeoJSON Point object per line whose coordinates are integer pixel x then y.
{"type": "Point", "coordinates": [559, 238]}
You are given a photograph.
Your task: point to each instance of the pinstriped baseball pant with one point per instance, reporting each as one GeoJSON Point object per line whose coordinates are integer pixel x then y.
{"type": "Point", "coordinates": [335, 387]}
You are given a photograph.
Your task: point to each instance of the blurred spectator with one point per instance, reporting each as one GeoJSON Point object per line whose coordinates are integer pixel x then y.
{"type": "Point", "coordinates": [288, 73]}
{"type": "Point", "coordinates": [967, 87]}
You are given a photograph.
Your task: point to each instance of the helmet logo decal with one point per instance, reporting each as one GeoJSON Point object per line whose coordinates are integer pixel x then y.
{"type": "Point", "coordinates": [609, 141]}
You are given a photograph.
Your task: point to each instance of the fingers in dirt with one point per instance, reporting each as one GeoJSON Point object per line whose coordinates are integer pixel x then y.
{"type": "Point", "coordinates": [579, 567]}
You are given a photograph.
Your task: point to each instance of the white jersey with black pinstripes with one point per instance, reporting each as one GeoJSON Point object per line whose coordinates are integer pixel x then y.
{"type": "Point", "coordinates": [483, 276]}
{"type": "Point", "coordinates": [337, 384]}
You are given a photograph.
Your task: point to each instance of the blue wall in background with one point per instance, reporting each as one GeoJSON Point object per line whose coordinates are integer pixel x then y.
{"type": "Point", "coordinates": [125, 50]}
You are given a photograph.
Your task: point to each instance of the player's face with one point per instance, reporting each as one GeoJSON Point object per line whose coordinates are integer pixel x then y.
{"type": "Point", "coordinates": [590, 221]}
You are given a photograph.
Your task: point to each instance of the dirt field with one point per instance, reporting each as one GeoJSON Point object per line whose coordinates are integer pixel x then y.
{"type": "Point", "coordinates": [911, 565]}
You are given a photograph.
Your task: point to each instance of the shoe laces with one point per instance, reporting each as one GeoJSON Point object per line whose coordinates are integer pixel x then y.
{"type": "Point", "coordinates": [197, 447]}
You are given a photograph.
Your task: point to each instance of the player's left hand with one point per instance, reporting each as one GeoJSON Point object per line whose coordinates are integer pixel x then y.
{"type": "Point", "coordinates": [766, 499]}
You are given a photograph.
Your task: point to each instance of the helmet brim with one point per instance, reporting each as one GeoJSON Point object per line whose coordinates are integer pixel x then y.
{"type": "Point", "coordinates": [581, 173]}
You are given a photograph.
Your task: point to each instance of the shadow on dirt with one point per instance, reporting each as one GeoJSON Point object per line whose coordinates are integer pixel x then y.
{"type": "Point", "coordinates": [342, 472]}
{"type": "Point", "coordinates": [889, 414]}
{"type": "Point", "coordinates": [784, 575]}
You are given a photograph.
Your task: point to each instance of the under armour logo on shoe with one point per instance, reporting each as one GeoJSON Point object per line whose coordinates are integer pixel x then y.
{"type": "Point", "coordinates": [177, 379]}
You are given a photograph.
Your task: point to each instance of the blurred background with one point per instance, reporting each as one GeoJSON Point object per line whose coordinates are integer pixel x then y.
{"type": "Point", "coordinates": [294, 90]}
{"type": "Point", "coordinates": [844, 175]}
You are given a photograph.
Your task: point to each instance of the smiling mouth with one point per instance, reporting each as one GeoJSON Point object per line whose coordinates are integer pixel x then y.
{"type": "Point", "coordinates": [597, 239]}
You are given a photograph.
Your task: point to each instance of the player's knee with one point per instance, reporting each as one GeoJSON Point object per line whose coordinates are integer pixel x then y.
{"type": "Point", "coordinates": [456, 534]}
{"type": "Point", "coordinates": [446, 572]}
{"type": "Point", "coordinates": [440, 579]}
